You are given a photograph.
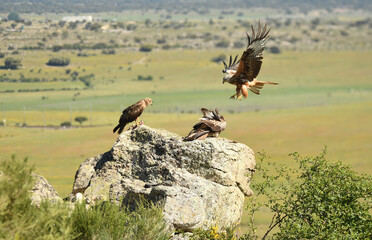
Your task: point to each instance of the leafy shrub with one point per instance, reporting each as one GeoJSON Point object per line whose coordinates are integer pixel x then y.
{"type": "Point", "coordinates": [12, 63]}
{"type": "Point", "coordinates": [223, 44]}
{"type": "Point", "coordinates": [58, 61]}
{"type": "Point", "coordinates": [66, 124]}
{"type": "Point", "coordinates": [146, 48]}
{"type": "Point", "coordinates": [109, 221]}
{"type": "Point", "coordinates": [238, 44]}
{"type": "Point", "coordinates": [2, 55]}
{"type": "Point", "coordinates": [219, 58]}
{"type": "Point", "coordinates": [143, 78]}
{"type": "Point", "coordinates": [100, 45]}
{"type": "Point", "coordinates": [87, 80]}
{"type": "Point", "coordinates": [19, 219]}
{"type": "Point", "coordinates": [274, 50]}
{"type": "Point", "coordinates": [93, 26]}
{"type": "Point", "coordinates": [57, 48]}
{"type": "Point", "coordinates": [109, 52]}
{"type": "Point", "coordinates": [14, 16]}
{"type": "Point", "coordinates": [318, 200]}
{"type": "Point", "coordinates": [81, 54]}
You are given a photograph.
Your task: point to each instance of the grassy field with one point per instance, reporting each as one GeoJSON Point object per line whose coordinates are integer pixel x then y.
{"type": "Point", "coordinates": [184, 79]}
{"type": "Point", "coordinates": [344, 129]}
{"type": "Point", "coordinates": [324, 99]}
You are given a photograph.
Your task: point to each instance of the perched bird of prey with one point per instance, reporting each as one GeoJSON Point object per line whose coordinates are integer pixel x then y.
{"type": "Point", "coordinates": [243, 73]}
{"type": "Point", "coordinates": [210, 125]}
{"type": "Point", "coordinates": [131, 113]}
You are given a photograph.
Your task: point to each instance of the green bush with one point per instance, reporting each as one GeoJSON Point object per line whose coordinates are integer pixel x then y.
{"type": "Point", "coordinates": [19, 219]}
{"type": "Point", "coordinates": [66, 124]}
{"type": "Point", "coordinates": [223, 44]}
{"type": "Point", "coordinates": [109, 221]}
{"type": "Point", "coordinates": [12, 63]}
{"type": "Point", "coordinates": [317, 200]}
{"type": "Point", "coordinates": [58, 61]}
{"type": "Point", "coordinates": [14, 16]}
{"type": "Point", "coordinates": [146, 48]}
{"type": "Point", "coordinates": [143, 78]}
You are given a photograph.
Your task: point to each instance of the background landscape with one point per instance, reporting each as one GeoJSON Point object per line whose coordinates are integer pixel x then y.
{"type": "Point", "coordinates": [171, 51]}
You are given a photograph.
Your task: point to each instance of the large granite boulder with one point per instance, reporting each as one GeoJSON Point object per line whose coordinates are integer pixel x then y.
{"type": "Point", "coordinates": [200, 183]}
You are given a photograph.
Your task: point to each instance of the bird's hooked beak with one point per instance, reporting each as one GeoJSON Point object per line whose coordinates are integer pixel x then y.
{"type": "Point", "coordinates": [224, 80]}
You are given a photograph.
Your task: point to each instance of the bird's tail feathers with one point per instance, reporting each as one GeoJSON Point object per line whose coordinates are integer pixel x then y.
{"type": "Point", "coordinates": [255, 89]}
{"type": "Point", "coordinates": [257, 85]}
{"type": "Point", "coordinates": [120, 127]}
{"type": "Point", "coordinates": [261, 83]}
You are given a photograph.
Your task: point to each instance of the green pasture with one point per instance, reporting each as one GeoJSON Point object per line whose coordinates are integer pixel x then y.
{"type": "Point", "coordinates": [323, 99]}
{"type": "Point", "coordinates": [183, 81]}
{"type": "Point", "coordinates": [57, 152]}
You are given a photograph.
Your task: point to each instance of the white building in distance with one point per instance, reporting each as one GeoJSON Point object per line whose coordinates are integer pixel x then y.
{"type": "Point", "coordinates": [77, 19]}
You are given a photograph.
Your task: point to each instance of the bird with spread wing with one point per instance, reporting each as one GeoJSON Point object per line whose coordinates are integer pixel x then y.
{"type": "Point", "coordinates": [131, 113]}
{"type": "Point", "coordinates": [210, 125]}
{"type": "Point", "coordinates": [243, 73]}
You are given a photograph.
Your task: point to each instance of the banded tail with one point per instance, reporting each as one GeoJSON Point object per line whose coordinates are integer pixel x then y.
{"type": "Point", "coordinates": [255, 86]}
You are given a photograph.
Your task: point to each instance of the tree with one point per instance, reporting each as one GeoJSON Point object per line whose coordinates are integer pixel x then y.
{"type": "Point", "coordinates": [318, 200]}
{"type": "Point", "coordinates": [14, 16]}
{"type": "Point", "coordinates": [58, 61]}
{"type": "Point", "coordinates": [146, 48]}
{"type": "Point", "coordinates": [12, 63]}
{"type": "Point", "coordinates": [81, 119]}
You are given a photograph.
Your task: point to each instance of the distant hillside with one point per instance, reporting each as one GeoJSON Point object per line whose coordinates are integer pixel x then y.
{"type": "Point", "coordinates": [42, 6]}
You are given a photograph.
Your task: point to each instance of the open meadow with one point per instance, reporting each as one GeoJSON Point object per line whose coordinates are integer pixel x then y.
{"type": "Point", "coordinates": [324, 98]}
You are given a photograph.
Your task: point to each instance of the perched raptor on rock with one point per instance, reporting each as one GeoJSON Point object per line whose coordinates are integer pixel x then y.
{"type": "Point", "coordinates": [210, 125]}
{"type": "Point", "coordinates": [243, 73]}
{"type": "Point", "coordinates": [131, 113]}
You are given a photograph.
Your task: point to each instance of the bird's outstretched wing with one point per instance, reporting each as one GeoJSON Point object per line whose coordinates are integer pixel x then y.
{"type": "Point", "coordinates": [251, 60]}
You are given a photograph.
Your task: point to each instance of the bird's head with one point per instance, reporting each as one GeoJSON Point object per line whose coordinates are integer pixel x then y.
{"type": "Point", "coordinates": [148, 101]}
{"type": "Point", "coordinates": [228, 76]}
{"type": "Point", "coordinates": [229, 69]}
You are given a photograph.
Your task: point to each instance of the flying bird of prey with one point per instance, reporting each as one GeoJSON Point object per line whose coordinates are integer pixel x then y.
{"type": "Point", "coordinates": [131, 113]}
{"type": "Point", "coordinates": [243, 73]}
{"type": "Point", "coordinates": [210, 125]}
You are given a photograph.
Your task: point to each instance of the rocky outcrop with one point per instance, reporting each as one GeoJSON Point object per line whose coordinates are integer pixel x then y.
{"type": "Point", "coordinates": [199, 183]}
{"type": "Point", "coordinates": [43, 190]}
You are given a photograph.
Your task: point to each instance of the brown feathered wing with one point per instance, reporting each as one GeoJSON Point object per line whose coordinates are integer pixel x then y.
{"type": "Point", "coordinates": [211, 124]}
{"type": "Point", "coordinates": [251, 60]}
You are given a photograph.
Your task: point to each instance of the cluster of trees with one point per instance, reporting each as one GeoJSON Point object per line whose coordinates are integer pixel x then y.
{"type": "Point", "coordinates": [58, 61]}
{"type": "Point", "coordinates": [12, 63]}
